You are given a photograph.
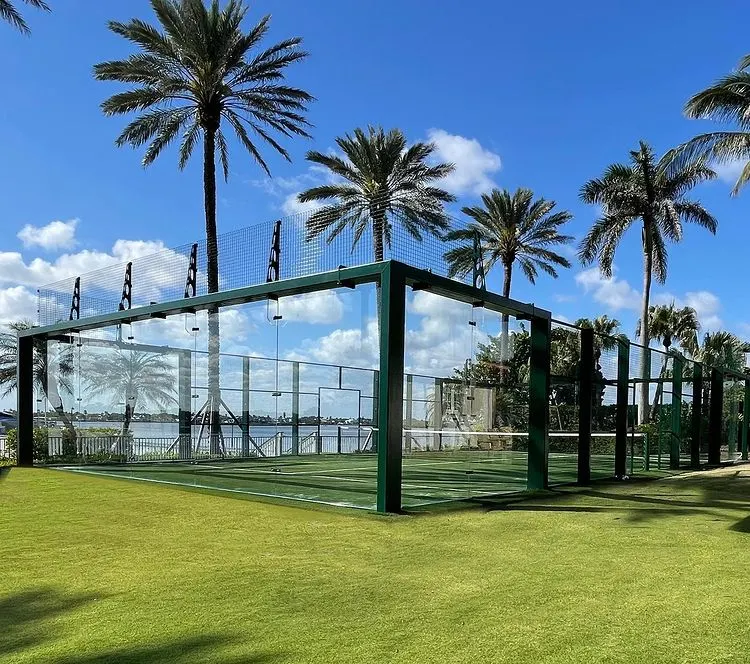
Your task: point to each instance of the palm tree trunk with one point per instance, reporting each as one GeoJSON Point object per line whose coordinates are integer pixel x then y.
{"type": "Point", "coordinates": [645, 332]}
{"type": "Point", "coordinates": [53, 397]}
{"type": "Point", "coordinates": [505, 334]}
{"type": "Point", "coordinates": [378, 226]}
{"type": "Point", "coordinates": [212, 268]}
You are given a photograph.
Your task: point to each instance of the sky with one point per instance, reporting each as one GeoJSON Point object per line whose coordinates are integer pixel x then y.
{"type": "Point", "coordinates": [538, 94]}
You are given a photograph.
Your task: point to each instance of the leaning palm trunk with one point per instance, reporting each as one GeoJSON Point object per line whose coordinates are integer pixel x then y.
{"type": "Point", "coordinates": [505, 332]}
{"type": "Point", "coordinates": [643, 401]}
{"type": "Point", "coordinates": [53, 397]}
{"type": "Point", "coordinates": [212, 255]}
{"type": "Point", "coordinates": [659, 390]}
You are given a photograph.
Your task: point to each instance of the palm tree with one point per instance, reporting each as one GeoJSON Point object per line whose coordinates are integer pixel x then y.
{"type": "Point", "coordinates": [383, 183]}
{"type": "Point", "coordinates": [722, 350]}
{"type": "Point", "coordinates": [138, 377]}
{"type": "Point", "coordinates": [650, 192]}
{"type": "Point", "coordinates": [511, 228]}
{"type": "Point", "coordinates": [52, 370]}
{"type": "Point", "coordinates": [9, 13]}
{"type": "Point", "coordinates": [197, 75]}
{"type": "Point", "coordinates": [668, 324]}
{"type": "Point", "coordinates": [727, 100]}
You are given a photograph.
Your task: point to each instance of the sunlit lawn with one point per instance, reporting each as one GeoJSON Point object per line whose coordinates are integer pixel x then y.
{"type": "Point", "coordinates": [107, 570]}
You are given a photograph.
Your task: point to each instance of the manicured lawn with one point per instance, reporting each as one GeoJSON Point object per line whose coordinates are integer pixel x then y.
{"type": "Point", "coordinates": [103, 570]}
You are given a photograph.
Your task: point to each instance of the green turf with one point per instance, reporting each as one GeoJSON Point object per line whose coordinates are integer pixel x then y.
{"type": "Point", "coordinates": [351, 480]}
{"type": "Point", "coordinates": [97, 570]}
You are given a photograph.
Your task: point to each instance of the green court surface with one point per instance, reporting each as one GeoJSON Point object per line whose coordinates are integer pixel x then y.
{"type": "Point", "coordinates": [351, 480]}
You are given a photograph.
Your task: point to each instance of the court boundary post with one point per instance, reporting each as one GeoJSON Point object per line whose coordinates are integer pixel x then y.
{"type": "Point", "coordinates": [539, 388]}
{"type": "Point", "coordinates": [674, 448]}
{"type": "Point", "coordinates": [715, 416]}
{"type": "Point", "coordinates": [621, 414]}
{"type": "Point", "coordinates": [391, 387]}
{"type": "Point", "coordinates": [695, 438]}
{"type": "Point", "coordinates": [745, 414]}
{"type": "Point", "coordinates": [295, 408]}
{"type": "Point", "coordinates": [585, 405]}
{"type": "Point", "coordinates": [185, 400]}
{"type": "Point", "coordinates": [25, 396]}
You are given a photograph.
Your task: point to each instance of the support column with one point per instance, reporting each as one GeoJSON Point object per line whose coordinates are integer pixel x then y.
{"type": "Point", "coordinates": [437, 414]}
{"type": "Point", "coordinates": [745, 415]}
{"type": "Point", "coordinates": [409, 410]}
{"type": "Point", "coordinates": [539, 387]}
{"type": "Point", "coordinates": [245, 406]}
{"type": "Point", "coordinates": [674, 447]}
{"type": "Point", "coordinates": [295, 408]}
{"type": "Point", "coordinates": [375, 409]}
{"type": "Point", "coordinates": [716, 414]}
{"type": "Point", "coordinates": [585, 404]}
{"type": "Point", "coordinates": [391, 388]}
{"type": "Point", "coordinates": [695, 435]}
{"type": "Point", "coordinates": [621, 415]}
{"type": "Point", "coordinates": [185, 399]}
{"type": "Point", "coordinates": [25, 398]}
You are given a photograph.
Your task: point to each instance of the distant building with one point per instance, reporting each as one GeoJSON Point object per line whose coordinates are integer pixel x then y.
{"type": "Point", "coordinates": [7, 421]}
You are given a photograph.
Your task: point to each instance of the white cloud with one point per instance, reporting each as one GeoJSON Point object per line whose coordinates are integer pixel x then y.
{"type": "Point", "coordinates": [614, 293]}
{"type": "Point", "coordinates": [706, 305]}
{"type": "Point", "coordinates": [474, 164]}
{"type": "Point", "coordinates": [354, 347]}
{"type": "Point", "coordinates": [17, 303]}
{"type": "Point", "coordinates": [287, 189]}
{"type": "Point", "coordinates": [55, 235]}
{"type": "Point", "coordinates": [729, 171]}
{"type": "Point", "coordinates": [321, 307]}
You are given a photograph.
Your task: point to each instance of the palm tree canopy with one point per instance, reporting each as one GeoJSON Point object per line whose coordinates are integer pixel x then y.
{"type": "Point", "coordinates": [606, 331]}
{"type": "Point", "coordinates": [132, 376]}
{"type": "Point", "coordinates": [668, 323]}
{"type": "Point", "coordinates": [511, 228]}
{"type": "Point", "coordinates": [200, 69]}
{"type": "Point", "coordinates": [49, 362]}
{"type": "Point", "coordinates": [722, 350]}
{"type": "Point", "coordinates": [380, 180]}
{"type": "Point", "coordinates": [647, 190]}
{"type": "Point", "coordinates": [9, 13]}
{"type": "Point", "coordinates": [726, 101]}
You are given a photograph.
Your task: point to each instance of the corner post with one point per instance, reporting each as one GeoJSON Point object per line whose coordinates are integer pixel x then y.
{"type": "Point", "coordinates": [745, 416]}
{"type": "Point", "coordinates": [25, 396]}
{"type": "Point", "coordinates": [295, 408]}
{"type": "Point", "coordinates": [245, 406]}
{"type": "Point", "coordinates": [621, 415]}
{"type": "Point", "coordinates": [715, 416]}
{"type": "Point", "coordinates": [391, 387]}
{"type": "Point", "coordinates": [184, 398]}
{"type": "Point", "coordinates": [585, 405]}
{"type": "Point", "coordinates": [674, 448]}
{"type": "Point", "coordinates": [695, 434]}
{"type": "Point", "coordinates": [409, 409]}
{"type": "Point", "coordinates": [539, 387]}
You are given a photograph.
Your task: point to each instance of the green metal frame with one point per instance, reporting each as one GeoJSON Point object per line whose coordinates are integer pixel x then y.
{"type": "Point", "coordinates": [745, 414]}
{"type": "Point", "coordinates": [695, 437]}
{"type": "Point", "coordinates": [585, 405]}
{"type": "Point", "coordinates": [621, 417]}
{"type": "Point", "coordinates": [674, 447]}
{"type": "Point", "coordinates": [392, 279]}
{"type": "Point", "coordinates": [716, 414]}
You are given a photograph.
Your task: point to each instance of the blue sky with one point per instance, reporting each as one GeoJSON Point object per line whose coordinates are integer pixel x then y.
{"type": "Point", "coordinates": [536, 94]}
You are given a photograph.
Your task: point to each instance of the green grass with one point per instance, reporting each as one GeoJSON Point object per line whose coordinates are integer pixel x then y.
{"type": "Point", "coordinates": [351, 479]}
{"type": "Point", "coordinates": [99, 570]}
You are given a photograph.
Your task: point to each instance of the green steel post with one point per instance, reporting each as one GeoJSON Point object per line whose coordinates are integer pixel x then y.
{"type": "Point", "coordinates": [25, 401]}
{"type": "Point", "coordinates": [375, 410]}
{"type": "Point", "coordinates": [245, 406]}
{"type": "Point", "coordinates": [539, 387]}
{"type": "Point", "coordinates": [585, 405]}
{"type": "Point", "coordinates": [621, 415]}
{"type": "Point", "coordinates": [674, 448]}
{"type": "Point", "coordinates": [437, 414]}
{"type": "Point", "coordinates": [716, 413]}
{"type": "Point", "coordinates": [295, 408]}
{"type": "Point", "coordinates": [695, 434]}
{"type": "Point", "coordinates": [745, 414]}
{"type": "Point", "coordinates": [409, 410]}
{"type": "Point", "coordinates": [185, 400]}
{"type": "Point", "coordinates": [391, 388]}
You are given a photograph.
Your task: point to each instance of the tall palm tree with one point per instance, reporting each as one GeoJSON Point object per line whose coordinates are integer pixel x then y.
{"type": "Point", "coordinates": [131, 377]}
{"type": "Point", "coordinates": [382, 183]}
{"type": "Point", "coordinates": [512, 229]}
{"type": "Point", "coordinates": [669, 324]}
{"type": "Point", "coordinates": [722, 350]}
{"type": "Point", "coordinates": [727, 101]}
{"type": "Point", "coordinates": [9, 13]}
{"type": "Point", "coordinates": [652, 194]}
{"type": "Point", "coordinates": [198, 74]}
{"type": "Point", "coordinates": [53, 369]}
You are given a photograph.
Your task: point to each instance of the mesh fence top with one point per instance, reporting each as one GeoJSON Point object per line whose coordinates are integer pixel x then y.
{"type": "Point", "coordinates": [243, 261]}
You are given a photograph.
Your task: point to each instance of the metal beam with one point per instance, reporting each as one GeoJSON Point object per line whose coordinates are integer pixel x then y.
{"type": "Point", "coordinates": [25, 398]}
{"type": "Point", "coordinates": [745, 415]}
{"type": "Point", "coordinates": [716, 414]}
{"type": "Point", "coordinates": [185, 400]}
{"type": "Point", "coordinates": [391, 388]}
{"type": "Point", "coordinates": [284, 288]}
{"type": "Point", "coordinates": [539, 388]}
{"type": "Point", "coordinates": [295, 408]}
{"type": "Point", "coordinates": [696, 428]}
{"type": "Point", "coordinates": [621, 415]}
{"type": "Point", "coordinates": [585, 405]}
{"type": "Point", "coordinates": [674, 447]}
{"type": "Point", "coordinates": [245, 407]}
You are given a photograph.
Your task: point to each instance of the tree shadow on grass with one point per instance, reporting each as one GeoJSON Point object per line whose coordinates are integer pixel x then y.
{"type": "Point", "coordinates": [24, 616]}
{"type": "Point", "coordinates": [28, 620]}
{"type": "Point", "coordinates": [719, 496]}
